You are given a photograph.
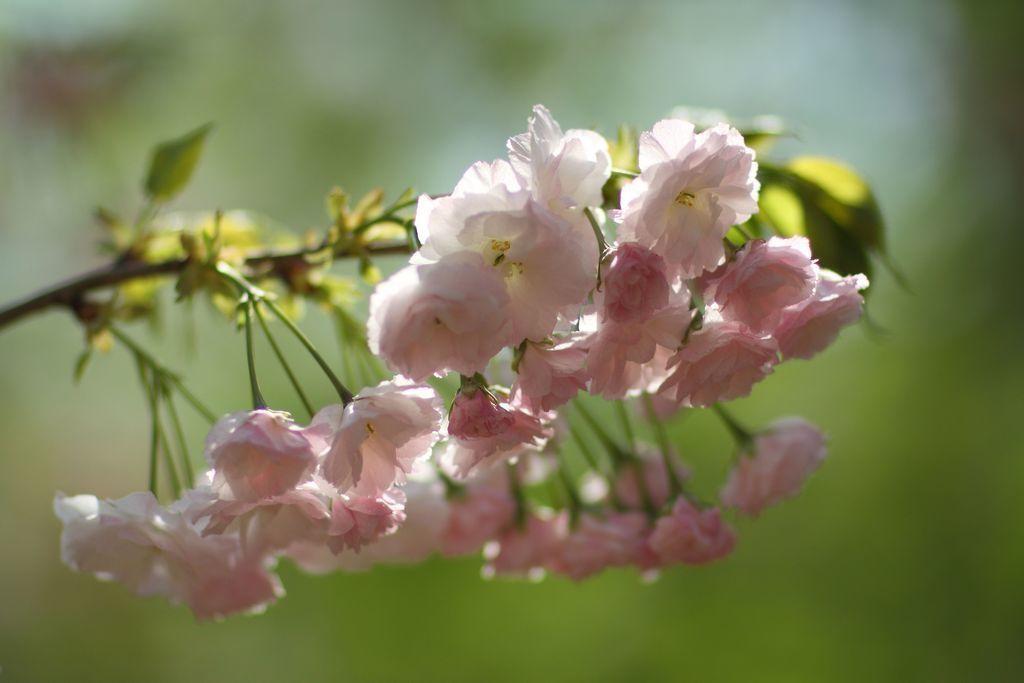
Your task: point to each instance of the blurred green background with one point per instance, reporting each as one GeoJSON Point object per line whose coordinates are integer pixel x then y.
{"type": "Point", "coordinates": [904, 559]}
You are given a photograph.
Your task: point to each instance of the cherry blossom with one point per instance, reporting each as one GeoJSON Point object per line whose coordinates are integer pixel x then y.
{"type": "Point", "coordinates": [809, 327]}
{"type": "Point", "coordinates": [550, 375]}
{"type": "Point", "coordinates": [689, 535]}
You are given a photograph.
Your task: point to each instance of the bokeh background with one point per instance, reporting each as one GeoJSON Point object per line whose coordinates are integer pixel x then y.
{"type": "Point", "coordinates": [904, 559]}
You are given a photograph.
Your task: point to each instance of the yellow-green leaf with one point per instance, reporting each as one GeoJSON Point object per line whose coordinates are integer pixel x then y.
{"type": "Point", "coordinates": [173, 163]}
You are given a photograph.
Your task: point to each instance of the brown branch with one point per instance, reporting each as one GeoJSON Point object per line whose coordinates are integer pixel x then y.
{"type": "Point", "coordinates": [70, 292]}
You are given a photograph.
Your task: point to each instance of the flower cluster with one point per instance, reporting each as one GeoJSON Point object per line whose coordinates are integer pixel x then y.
{"type": "Point", "coordinates": [681, 310]}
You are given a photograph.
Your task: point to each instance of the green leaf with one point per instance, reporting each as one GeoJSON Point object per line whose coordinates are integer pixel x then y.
{"type": "Point", "coordinates": [839, 191]}
{"type": "Point", "coordinates": [173, 163]}
{"type": "Point", "coordinates": [82, 363]}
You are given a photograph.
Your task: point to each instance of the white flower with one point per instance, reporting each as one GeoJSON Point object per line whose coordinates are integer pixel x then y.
{"type": "Point", "coordinates": [379, 436]}
{"type": "Point", "coordinates": [542, 258]}
{"type": "Point", "coordinates": [692, 187]}
{"type": "Point", "coordinates": [560, 169]}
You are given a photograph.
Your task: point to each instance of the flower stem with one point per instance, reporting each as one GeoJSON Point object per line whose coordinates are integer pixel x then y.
{"type": "Point", "coordinates": [624, 173]}
{"type": "Point", "coordinates": [148, 360]}
{"type": "Point", "coordinates": [254, 292]}
{"type": "Point", "coordinates": [179, 434]}
{"type": "Point", "coordinates": [607, 441]}
{"type": "Point", "coordinates": [281, 359]}
{"type": "Point", "coordinates": [742, 436]}
{"type": "Point", "coordinates": [663, 444]}
{"type": "Point", "coordinates": [258, 402]}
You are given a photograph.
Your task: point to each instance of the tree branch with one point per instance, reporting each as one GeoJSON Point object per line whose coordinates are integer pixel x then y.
{"type": "Point", "coordinates": [70, 291]}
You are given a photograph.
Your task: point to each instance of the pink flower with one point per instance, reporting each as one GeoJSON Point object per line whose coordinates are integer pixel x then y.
{"type": "Point", "coordinates": [617, 539]}
{"type": "Point", "coordinates": [635, 285]}
{"type": "Point", "coordinates": [783, 457]}
{"type": "Point", "coordinates": [482, 429]}
{"type": "Point", "coordinates": [270, 525]}
{"type": "Point", "coordinates": [359, 520]}
{"type": "Point", "coordinates": [155, 551]}
{"type": "Point", "coordinates": [448, 315]}
{"type": "Point", "coordinates": [627, 358]}
{"type": "Point", "coordinates": [692, 187]}
{"type": "Point", "coordinates": [478, 513]}
{"type": "Point", "coordinates": [258, 454]}
{"type": "Point", "coordinates": [379, 435]}
{"type": "Point", "coordinates": [764, 278]}
{"type": "Point", "coordinates": [691, 536]}
{"type": "Point", "coordinates": [542, 257]}
{"type": "Point", "coordinates": [560, 169]}
{"type": "Point", "coordinates": [657, 483]}
{"type": "Point", "coordinates": [809, 327]}
{"type": "Point", "coordinates": [526, 550]}
{"type": "Point", "coordinates": [721, 361]}
{"type": "Point", "coordinates": [551, 375]}
{"type": "Point", "coordinates": [426, 512]}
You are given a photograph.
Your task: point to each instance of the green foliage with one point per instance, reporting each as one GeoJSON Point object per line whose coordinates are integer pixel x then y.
{"type": "Point", "coordinates": [172, 164]}
{"type": "Point", "coordinates": [829, 203]}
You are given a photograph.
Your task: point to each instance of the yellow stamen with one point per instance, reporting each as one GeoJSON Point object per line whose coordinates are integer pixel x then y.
{"type": "Point", "coordinates": [686, 199]}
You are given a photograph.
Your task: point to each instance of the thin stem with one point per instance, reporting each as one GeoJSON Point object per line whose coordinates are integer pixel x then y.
{"type": "Point", "coordinates": [255, 293]}
{"type": "Point", "coordinates": [627, 425]}
{"type": "Point", "coordinates": [147, 359]}
{"type": "Point", "coordinates": [741, 435]}
{"type": "Point", "coordinates": [281, 359]}
{"type": "Point", "coordinates": [624, 173]}
{"type": "Point", "coordinates": [258, 402]}
{"type": "Point", "coordinates": [179, 435]}
{"type": "Point", "coordinates": [663, 444]}
{"type": "Point", "coordinates": [607, 441]}
{"type": "Point", "coordinates": [516, 489]}
{"type": "Point", "coordinates": [154, 435]}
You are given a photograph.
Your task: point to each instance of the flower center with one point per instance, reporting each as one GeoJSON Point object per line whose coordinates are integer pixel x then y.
{"type": "Point", "coordinates": [515, 269]}
{"type": "Point", "coordinates": [686, 199]}
{"type": "Point", "coordinates": [499, 247]}
{"type": "Point", "coordinates": [370, 429]}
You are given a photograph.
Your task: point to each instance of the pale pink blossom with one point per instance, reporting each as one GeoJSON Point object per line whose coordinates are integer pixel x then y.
{"type": "Point", "coordinates": [358, 520]}
{"type": "Point", "coordinates": [477, 513]}
{"type": "Point", "coordinates": [617, 539]}
{"type": "Point", "coordinates": [692, 188]}
{"type": "Point", "coordinates": [258, 454]}
{"type": "Point", "coordinates": [426, 512]}
{"type": "Point", "coordinates": [809, 327]}
{"type": "Point", "coordinates": [550, 375]}
{"type": "Point", "coordinates": [689, 535]}
{"type": "Point", "coordinates": [560, 169]}
{"type": "Point", "coordinates": [764, 278]}
{"type": "Point", "coordinates": [539, 255]}
{"type": "Point", "coordinates": [155, 551]}
{"type": "Point", "coordinates": [720, 362]}
{"type": "Point", "coordinates": [624, 359]}
{"type": "Point", "coordinates": [782, 458]}
{"type": "Point", "coordinates": [449, 315]}
{"type": "Point", "coordinates": [379, 435]}
{"type": "Point", "coordinates": [524, 550]}
{"type": "Point", "coordinates": [635, 285]}
{"type": "Point", "coordinates": [657, 482]}
{"type": "Point", "coordinates": [490, 433]}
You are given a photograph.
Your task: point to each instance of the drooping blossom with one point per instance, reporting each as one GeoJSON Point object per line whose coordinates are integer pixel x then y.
{"type": "Point", "coordinates": [426, 517]}
{"type": "Point", "coordinates": [560, 169]}
{"type": "Point", "coordinates": [524, 550]}
{"type": "Point", "coordinates": [448, 315]}
{"type": "Point", "coordinates": [809, 327]}
{"type": "Point", "coordinates": [357, 520]}
{"type": "Point", "coordinates": [649, 468]}
{"type": "Point", "coordinates": [258, 454]}
{"type": "Point", "coordinates": [624, 359]}
{"type": "Point", "coordinates": [536, 253]}
{"type": "Point", "coordinates": [377, 437]}
{"type": "Point", "coordinates": [478, 512]}
{"type": "Point", "coordinates": [720, 362]}
{"type": "Point", "coordinates": [616, 539]}
{"type": "Point", "coordinates": [484, 429]}
{"type": "Point", "coordinates": [550, 375]}
{"type": "Point", "coordinates": [692, 188]}
{"type": "Point", "coordinates": [635, 284]}
{"type": "Point", "coordinates": [154, 551]}
{"type": "Point", "coordinates": [764, 278]}
{"type": "Point", "coordinates": [689, 535]}
{"type": "Point", "coordinates": [782, 458]}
